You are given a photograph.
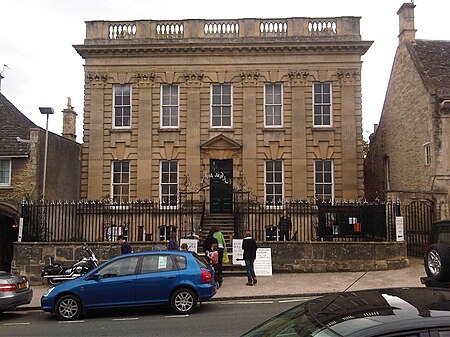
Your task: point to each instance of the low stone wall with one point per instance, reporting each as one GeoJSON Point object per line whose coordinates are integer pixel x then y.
{"type": "Point", "coordinates": [30, 258]}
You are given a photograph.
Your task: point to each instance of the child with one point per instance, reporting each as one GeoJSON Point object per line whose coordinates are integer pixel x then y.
{"type": "Point", "coordinates": [213, 257]}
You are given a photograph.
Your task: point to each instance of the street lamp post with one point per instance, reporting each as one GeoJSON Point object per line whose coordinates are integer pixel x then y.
{"type": "Point", "coordinates": [45, 111]}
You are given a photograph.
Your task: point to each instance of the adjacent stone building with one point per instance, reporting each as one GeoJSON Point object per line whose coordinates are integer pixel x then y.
{"type": "Point", "coordinates": [409, 156]}
{"type": "Point", "coordinates": [22, 146]}
{"type": "Point", "coordinates": [272, 104]}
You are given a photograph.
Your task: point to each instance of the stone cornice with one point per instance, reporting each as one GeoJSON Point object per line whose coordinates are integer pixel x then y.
{"type": "Point", "coordinates": [125, 50]}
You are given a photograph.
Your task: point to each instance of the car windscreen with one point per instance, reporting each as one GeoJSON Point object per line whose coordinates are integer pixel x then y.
{"type": "Point", "coordinates": [297, 321]}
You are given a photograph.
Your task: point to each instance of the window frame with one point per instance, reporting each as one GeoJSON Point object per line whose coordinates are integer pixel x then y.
{"type": "Point", "coordinates": [281, 204]}
{"type": "Point", "coordinates": [115, 86]}
{"type": "Point", "coordinates": [266, 105]}
{"type": "Point", "coordinates": [321, 104]}
{"type": "Point", "coordinates": [9, 172]}
{"type": "Point", "coordinates": [323, 183]}
{"type": "Point", "coordinates": [221, 105]}
{"type": "Point", "coordinates": [427, 153]}
{"type": "Point", "coordinates": [161, 183]}
{"type": "Point", "coordinates": [162, 106]}
{"type": "Point", "coordinates": [120, 198]}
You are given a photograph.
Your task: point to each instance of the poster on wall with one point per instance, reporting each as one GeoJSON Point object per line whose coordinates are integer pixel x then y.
{"type": "Point", "coordinates": [399, 228]}
{"type": "Point", "coordinates": [192, 244]}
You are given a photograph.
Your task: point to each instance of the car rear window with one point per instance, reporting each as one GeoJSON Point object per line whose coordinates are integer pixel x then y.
{"type": "Point", "coordinates": [181, 262]}
{"type": "Point", "coordinates": [443, 235]}
{"type": "Point", "coordinates": [201, 263]}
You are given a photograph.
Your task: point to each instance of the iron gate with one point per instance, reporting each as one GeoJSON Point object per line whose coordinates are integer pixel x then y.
{"type": "Point", "coordinates": [418, 217]}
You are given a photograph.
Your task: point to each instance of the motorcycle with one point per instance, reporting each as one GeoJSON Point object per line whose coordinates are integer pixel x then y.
{"type": "Point", "coordinates": [55, 272]}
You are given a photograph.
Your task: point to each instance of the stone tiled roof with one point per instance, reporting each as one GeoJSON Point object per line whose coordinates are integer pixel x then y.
{"type": "Point", "coordinates": [432, 58]}
{"type": "Point", "coordinates": [13, 124]}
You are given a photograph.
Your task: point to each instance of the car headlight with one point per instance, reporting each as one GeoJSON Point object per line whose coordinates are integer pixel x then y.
{"type": "Point", "coordinates": [49, 290]}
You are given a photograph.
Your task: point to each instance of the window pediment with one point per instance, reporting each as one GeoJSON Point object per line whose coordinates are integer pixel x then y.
{"type": "Point", "coordinates": [221, 142]}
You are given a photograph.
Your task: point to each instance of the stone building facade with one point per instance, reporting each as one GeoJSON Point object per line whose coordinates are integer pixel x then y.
{"type": "Point", "coordinates": [22, 146]}
{"type": "Point", "coordinates": [409, 156]}
{"type": "Point", "coordinates": [272, 104]}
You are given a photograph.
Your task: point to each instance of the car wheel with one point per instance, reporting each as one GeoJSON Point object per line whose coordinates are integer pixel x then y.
{"type": "Point", "coordinates": [68, 308]}
{"type": "Point", "coordinates": [183, 301]}
{"type": "Point", "coordinates": [437, 262]}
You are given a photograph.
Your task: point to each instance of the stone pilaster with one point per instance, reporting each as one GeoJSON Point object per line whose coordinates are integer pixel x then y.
{"type": "Point", "coordinates": [249, 125]}
{"type": "Point", "coordinates": [95, 85]}
{"type": "Point", "coordinates": [299, 82]}
{"type": "Point", "coordinates": [144, 86]}
{"type": "Point", "coordinates": [350, 114]}
{"type": "Point", "coordinates": [194, 82]}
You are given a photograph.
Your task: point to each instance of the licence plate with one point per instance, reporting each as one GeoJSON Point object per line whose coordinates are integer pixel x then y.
{"type": "Point", "coordinates": [22, 285]}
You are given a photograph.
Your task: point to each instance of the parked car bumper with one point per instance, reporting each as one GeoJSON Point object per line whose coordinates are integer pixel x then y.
{"type": "Point", "coordinates": [14, 299]}
{"type": "Point", "coordinates": [206, 291]}
{"type": "Point", "coordinates": [430, 282]}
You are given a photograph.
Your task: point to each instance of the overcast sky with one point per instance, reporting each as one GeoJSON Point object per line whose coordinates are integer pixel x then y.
{"type": "Point", "coordinates": [36, 39]}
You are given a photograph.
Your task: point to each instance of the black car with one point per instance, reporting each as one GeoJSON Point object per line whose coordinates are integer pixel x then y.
{"type": "Point", "coordinates": [437, 256]}
{"type": "Point", "coordinates": [411, 312]}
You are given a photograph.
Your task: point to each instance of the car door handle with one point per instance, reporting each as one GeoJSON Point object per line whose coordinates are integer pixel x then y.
{"type": "Point", "coordinates": [126, 281]}
{"type": "Point", "coordinates": [170, 277]}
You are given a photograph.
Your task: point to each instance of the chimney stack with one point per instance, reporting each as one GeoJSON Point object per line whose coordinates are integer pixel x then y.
{"type": "Point", "coordinates": [69, 121]}
{"type": "Point", "coordinates": [406, 23]}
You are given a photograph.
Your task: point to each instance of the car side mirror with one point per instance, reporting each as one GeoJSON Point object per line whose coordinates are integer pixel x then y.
{"type": "Point", "coordinates": [95, 277]}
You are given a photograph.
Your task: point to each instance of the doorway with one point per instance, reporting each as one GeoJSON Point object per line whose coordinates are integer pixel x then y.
{"type": "Point", "coordinates": [8, 234]}
{"type": "Point", "coordinates": [221, 186]}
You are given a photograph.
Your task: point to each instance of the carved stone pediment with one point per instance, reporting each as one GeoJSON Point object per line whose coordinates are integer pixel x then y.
{"type": "Point", "coordinates": [221, 142]}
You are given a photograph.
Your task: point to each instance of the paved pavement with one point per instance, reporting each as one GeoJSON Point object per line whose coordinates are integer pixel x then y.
{"type": "Point", "coordinates": [301, 284]}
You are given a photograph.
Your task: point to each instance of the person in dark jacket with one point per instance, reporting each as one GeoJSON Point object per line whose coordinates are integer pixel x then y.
{"type": "Point", "coordinates": [207, 244]}
{"type": "Point", "coordinates": [285, 225]}
{"type": "Point", "coordinates": [249, 247]}
{"type": "Point", "coordinates": [125, 247]}
{"type": "Point", "coordinates": [173, 243]}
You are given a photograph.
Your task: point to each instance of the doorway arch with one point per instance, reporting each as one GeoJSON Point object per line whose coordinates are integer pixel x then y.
{"type": "Point", "coordinates": [9, 230]}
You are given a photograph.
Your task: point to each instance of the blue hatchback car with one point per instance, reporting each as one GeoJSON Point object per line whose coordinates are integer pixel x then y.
{"type": "Point", "coordinates": [179, 279]}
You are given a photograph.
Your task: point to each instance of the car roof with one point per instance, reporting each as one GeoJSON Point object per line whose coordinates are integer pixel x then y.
{"type": "Point", "coordinates": [154, 252]}
{"type": "Point", "coordinates": [381, 309]}
{"type": "Point", "coordinates": [441, 222]}
{"type": "Point", "coordinates": [364, 313]}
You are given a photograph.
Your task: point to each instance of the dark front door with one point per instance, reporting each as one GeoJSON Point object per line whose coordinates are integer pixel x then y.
{"type": "Point", "coordinates": [221, 186]}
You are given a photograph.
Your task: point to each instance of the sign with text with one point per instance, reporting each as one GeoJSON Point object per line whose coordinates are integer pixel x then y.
{"type": "Point", "coordinates": [192, 244]}
{"type": "Point", "coordinates": [238, 253]}
{"type": "Point", "coordinates": [399, 228]}
{"type": "Point", "coordinates": [19, 238]}
{"type": "Point", "coordinates": [263, 262]}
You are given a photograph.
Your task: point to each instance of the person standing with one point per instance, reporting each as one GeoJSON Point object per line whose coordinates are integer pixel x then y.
{"type": "Point", "coordinates": [222, 246]}
{"type": "Point", "coordinates": [208, 243]}
{"type": "Point", "coordinates": [125, 247]}
{"type": "Point", "coordinates": [173, 243]}
{"type": "Point", "coordinates": [285, 225]}
{"type": "Point", "coordinates": [249, 247]}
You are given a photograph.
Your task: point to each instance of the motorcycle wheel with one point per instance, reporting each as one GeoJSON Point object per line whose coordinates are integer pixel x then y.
{"type": "Point", "coordinates": [52, 282]}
